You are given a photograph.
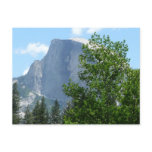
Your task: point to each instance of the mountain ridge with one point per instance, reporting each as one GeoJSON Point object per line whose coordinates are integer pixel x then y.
{"type": "Point", "coordinates": [46, 76]}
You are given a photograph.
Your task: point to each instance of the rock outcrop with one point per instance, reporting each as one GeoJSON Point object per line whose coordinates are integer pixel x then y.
{"type": "Point", "coordinates": [47, 76]}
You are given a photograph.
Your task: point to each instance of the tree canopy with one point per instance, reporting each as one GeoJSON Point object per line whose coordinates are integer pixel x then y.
{"type": "Point", "coordinates": [16, 104]}
{"type": "Point", "coordinates": [55, 113]}
{"type": "Point", "coordinates": [110, 90]}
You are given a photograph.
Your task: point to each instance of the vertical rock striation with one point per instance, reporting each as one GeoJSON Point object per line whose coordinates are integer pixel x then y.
{"type": "Point", "coordinates": [47, 76]}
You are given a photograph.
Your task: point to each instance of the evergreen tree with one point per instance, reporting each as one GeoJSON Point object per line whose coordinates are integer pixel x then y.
{"type": "Point", "coordinates": [16, 105]}
{"type": "Point", "coordinates": [104, 70]}
{"type": "Point", "coordinates": [43, 112]}
{"type": "Point", "coordinates": [28, 119]}
{"type": "Point", "coordinates": [40, 113]}
{"type": "Point", "coordinates": [47, 117]}
{"type": "Point", "coordinates": [55, 113]}
{"type": "Point", "coordinates": [36, 113]}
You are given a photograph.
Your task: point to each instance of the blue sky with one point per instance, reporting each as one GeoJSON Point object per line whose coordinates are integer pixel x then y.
{"type": "Point", "coordinates": [31, 44]}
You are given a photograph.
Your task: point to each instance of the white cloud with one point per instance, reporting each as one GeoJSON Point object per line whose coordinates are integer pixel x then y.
{"type": "Point", "coordinates": [26, 71]}
{"type": "Point", "coordinates": [92, 30]}
{"type": "Point", "coordinates": [81, 40]}
{"type": "Point", "coordinates": [33, 49]}
{"type": "Point", "coordinates": [77, 31]}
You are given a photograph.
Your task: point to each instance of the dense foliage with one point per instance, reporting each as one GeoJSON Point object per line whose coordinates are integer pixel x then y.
{"type": "Point", "coordinates": [110, 90]}
{"type": "Point", "coordinates": [55, 113]}
{"type": "Point", "coordinates": [40, 114]}
{"type": "Point", "coordinates": [28, 119]}
{"type": "Point", "coordinates": [16, 104]}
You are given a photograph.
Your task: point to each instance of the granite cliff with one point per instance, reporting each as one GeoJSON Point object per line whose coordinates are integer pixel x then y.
{"type": "Point", "coordinates": [46, 77]}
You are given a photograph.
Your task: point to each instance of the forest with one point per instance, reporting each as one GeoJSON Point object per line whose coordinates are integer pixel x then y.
{"type": "Point", "coordinates": [109, 92]}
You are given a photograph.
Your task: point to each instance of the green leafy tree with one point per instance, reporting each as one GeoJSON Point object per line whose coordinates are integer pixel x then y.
{"type": "Point", "coordinates": [65, 112]}
{"type": "Point", "coordinates": [130, 101]}
{"type": "Point", "coordinates": [16, 104]}
{"type": "Point", "coordinates": [28, 118]}
{"type": "Point", "coordinates": [104, 70]}
{"type": "Point", "coordinates": [55, 113]}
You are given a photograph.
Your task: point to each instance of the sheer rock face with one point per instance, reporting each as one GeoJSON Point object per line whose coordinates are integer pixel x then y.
{"type": "Point", "coordinates": [34, 77]}
{"type": "Point", "coordinates": [47, 76]}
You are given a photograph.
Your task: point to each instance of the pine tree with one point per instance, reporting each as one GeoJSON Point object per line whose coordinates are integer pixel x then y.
{"type": "Point", "coordinates": [40, 113]}
{"type": "Point", "coordinates": [55, 113]}
{"type": "Point", "coordinates": [28, 119]}
{"type": "Point", "coordinates": [43, 112]}
{"type": "Point", "coordinates": [16, 105]}
{"type": "Point", "coordinates": [36, 113]}
{"type": "Point", "coordinates": [47, 119]}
